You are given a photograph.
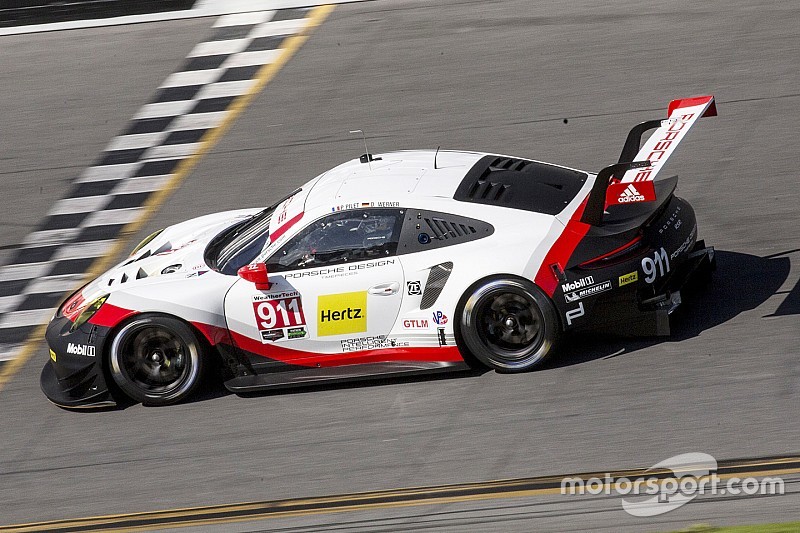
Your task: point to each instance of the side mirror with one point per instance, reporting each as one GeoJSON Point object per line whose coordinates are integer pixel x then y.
{"type": "Point", "coordinates": [256, 273]}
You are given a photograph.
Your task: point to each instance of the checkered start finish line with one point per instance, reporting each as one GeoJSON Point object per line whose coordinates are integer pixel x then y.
{"type": "Point", "coordinates": [136, 164]}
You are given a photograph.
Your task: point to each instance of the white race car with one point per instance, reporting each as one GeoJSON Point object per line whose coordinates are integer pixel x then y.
{"type": "Point", "coordinates": [412, 261]}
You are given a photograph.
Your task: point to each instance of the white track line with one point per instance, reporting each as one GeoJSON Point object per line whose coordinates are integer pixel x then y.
{"type": "Point", "coordinates": [49, 237]}
{"type": "Point", "coordinates": [61, 283]}
{"type": "Point", "coordinates": [66, 206]}
{"type": "Point", "coordinates": [213, 48]}
{"type": "Point", "coordinates": [143, 184]}
{"type": "Point", "coordinates": [109, 172]}
{"type": "Point", "coordinates": [139, 140]}
{"type": "Point", "coordinates": [112, 216]}
{"type": "Point", "coordinates": [202, 8]}
{"type": "Point", "coordinates": [32, 317]}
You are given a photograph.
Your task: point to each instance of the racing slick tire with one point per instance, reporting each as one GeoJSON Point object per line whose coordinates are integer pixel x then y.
{"type": "Point", "coordinates": [508, 324]}
{"type": "Point", "coordinates": [156, 360]}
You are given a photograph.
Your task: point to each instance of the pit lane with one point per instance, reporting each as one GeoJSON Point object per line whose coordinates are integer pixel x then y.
{"type": "Point", "coordinates": [414, 75]}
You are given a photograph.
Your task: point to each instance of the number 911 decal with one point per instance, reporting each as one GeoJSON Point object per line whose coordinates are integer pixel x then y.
{"type": "Point", "coordinates": [656, 266]}
{"type": "Point", "coordinates": [280, 318]}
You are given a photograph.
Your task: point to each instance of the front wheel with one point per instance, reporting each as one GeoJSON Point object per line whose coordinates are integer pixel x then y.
{"type": "Point", "coordinates": [509, 325]}
{"type": "Point", "coordinates": [156, 360]}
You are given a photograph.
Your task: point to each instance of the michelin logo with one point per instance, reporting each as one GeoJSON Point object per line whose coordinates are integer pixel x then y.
{"type": "Point", "coordinates": [588, 291]}
{"type": "Point", "coordinates": [80, 349]}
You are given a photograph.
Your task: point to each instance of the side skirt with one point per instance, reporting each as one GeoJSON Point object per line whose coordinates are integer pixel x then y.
{"type": "Point", "coordinates": [316, 376]}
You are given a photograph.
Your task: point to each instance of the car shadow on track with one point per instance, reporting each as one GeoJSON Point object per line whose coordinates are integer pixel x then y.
{"type": "Point", "coordinates": [741, 283]}
{"type": "Point", "coordinates": [214, 389]}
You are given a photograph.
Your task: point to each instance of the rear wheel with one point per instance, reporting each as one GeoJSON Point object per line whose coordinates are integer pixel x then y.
{"type": "Point", "coordinates": [156, 360]}
{"type": "Point", "coordinates": [509, 325]}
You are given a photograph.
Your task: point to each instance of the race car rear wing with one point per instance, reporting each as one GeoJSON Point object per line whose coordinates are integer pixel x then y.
{"type": "Point", "coordinates": [631, 179]}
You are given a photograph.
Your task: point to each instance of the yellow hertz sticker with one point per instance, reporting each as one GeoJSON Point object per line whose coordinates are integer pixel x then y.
{"type": "Point", "coordinates": [628, 278]}
{"type": "Point", "coordinates": [52, 355]}
{"type": "Point", "coordinates": [342, 313]}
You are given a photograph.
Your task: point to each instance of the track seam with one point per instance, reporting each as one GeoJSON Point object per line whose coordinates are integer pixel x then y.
{"type": "Point", "coordinates": [406, 497]}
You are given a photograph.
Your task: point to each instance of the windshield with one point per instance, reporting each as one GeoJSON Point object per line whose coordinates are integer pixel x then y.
{"type": "Point", "coordinates": [241, 246]}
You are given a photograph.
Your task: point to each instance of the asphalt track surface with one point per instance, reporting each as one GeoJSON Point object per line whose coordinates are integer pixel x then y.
{"type": "Point", "coordinates": [493, 76]}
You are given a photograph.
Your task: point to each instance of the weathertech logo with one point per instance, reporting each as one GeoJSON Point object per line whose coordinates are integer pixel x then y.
{"type": "Point", "coordinates": [630, 194]}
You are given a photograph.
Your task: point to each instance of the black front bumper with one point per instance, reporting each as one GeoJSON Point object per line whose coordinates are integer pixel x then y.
{"type": "Point", "coordinates": [71, 378]}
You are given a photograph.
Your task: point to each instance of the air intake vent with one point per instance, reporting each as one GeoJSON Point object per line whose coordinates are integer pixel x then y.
{"type": "Point", "coordinates": [443, 229]}
{"type": "Point", "coordinates": [487, 190]}
{"type": "Point", "coordinates": [507, 163]}
{"type": "Point", "coordinates": [428, 230]}
{"type": "Point", "coordinates": [520, 184]}
{"type": "Point", "coordinates": [433, 288]}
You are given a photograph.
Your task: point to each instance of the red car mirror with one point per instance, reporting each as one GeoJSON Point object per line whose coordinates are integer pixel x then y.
{"type": "Point", "coordinates": [256, 273]}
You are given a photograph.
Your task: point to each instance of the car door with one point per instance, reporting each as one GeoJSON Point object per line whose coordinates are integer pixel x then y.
{"type": "Point", "coordinates": [335, 288]}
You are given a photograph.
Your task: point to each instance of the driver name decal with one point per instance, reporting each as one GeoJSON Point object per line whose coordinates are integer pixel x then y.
{"type": "Point", "coordinates": [342, 313]}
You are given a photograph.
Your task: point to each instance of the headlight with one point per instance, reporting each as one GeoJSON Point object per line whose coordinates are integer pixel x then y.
{"type": "Point", "coordinates": [146, 241]}
{"type": "Point", "coordinates": [89, 312]}
{"type": "Point", "coordinates": [62, 309]}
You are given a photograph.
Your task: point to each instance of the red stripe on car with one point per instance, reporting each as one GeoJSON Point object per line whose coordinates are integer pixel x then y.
{"type": "Point", "coordinates": [213, 334]}
{"type": "Point", "coordinates": [444, 354]}
{"type": "Point", "coordinates": [109, 315]}
{"type": "Point", "coordinates": [561, 251]}
{"type": "Point", "coordinates": [274, 236]}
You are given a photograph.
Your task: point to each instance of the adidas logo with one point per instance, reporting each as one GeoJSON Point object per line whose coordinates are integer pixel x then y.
{"type": "Point", "coordinates": [630, 194]}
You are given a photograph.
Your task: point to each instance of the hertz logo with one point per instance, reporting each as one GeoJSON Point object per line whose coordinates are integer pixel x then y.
{"type": "Point", "coordinates": [342, 313]}
{"type": "Point", "coordinates": [628, 278]}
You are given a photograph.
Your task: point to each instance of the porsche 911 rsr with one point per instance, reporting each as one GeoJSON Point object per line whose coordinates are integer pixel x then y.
{"type": "Point", "coordinates": [411, 261]}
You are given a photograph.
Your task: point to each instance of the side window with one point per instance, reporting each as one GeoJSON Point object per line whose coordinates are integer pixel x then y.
{"type": "Point", "coordinates": [343, 237]}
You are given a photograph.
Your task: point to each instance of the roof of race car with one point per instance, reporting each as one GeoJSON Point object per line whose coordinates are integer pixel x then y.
{"type": "Point", "coordinates": [391, 177]}
{"type": "Point", "coordinates": [394, 178]}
